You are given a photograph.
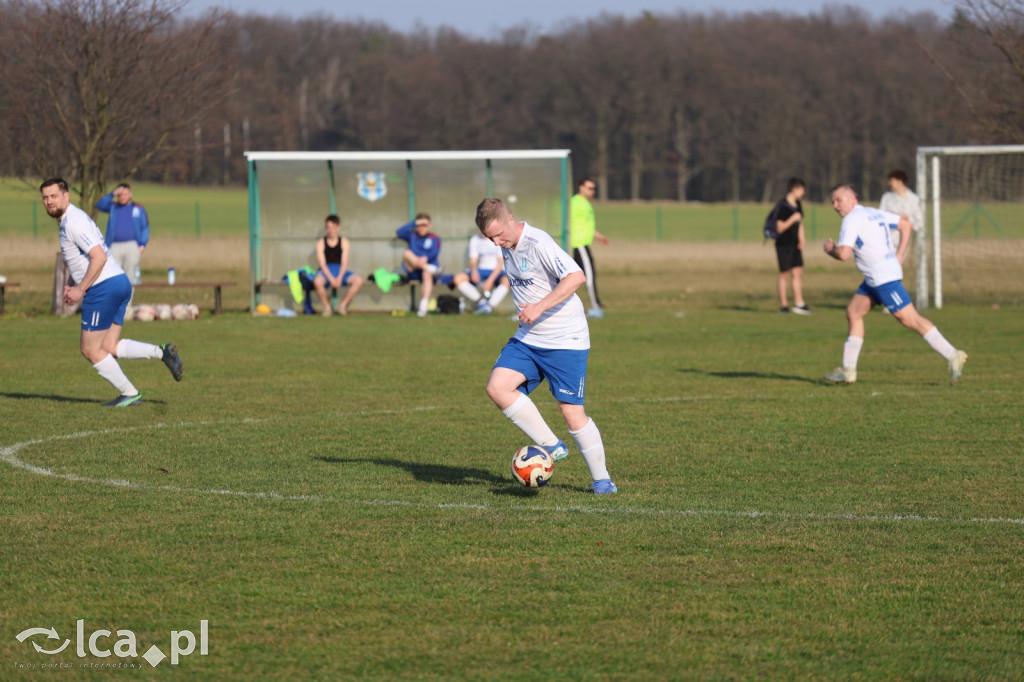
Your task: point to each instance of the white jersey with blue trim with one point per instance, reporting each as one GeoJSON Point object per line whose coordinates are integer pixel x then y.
{"type": "Point", "coordinates": [866, 231]}
{"type": "Point", "coordinates": [78, 236]}
{"type": "Point", "coordinates": [486, 252]}
{"type": "Point", "coordinates": [534, 268]}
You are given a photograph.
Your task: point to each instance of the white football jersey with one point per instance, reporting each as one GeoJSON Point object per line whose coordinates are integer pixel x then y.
{"type": "Point", "coordinates": [486, 252]}
{"type": "Point", "coordinates": [866, 230]}
{"type": "Point", "coordinates": [534, 268]}
{"type": "Point", "coordinates": [78, 236]}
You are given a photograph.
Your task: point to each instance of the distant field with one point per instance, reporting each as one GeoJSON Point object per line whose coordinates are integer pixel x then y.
{"type": "Point", "coordinates": [224, 212]}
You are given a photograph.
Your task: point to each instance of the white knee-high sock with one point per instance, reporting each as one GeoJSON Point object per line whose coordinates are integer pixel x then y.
{"type": "Point", "coordinates": [525, 415]}
{"type": "Point", "coordinates": [939, 343]}
{"type": "Point", "coordinates": [498, 295]}
{"type": "Point", "coordinates": [851, 351]}
{"type": "Point", "coordinates": [111, 371]}
{"type": "Point", "coordinates": [137, 350]}
{"type": "Point", "coordinates": [469, 291]}
{"type": "Point", "coordinates": [588, 440]}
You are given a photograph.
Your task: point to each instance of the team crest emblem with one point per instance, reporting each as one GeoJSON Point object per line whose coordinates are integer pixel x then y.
{"type": "Point", "coordinates": [372, 186]}
{"type": "Point", "coordinates": [524, 265]}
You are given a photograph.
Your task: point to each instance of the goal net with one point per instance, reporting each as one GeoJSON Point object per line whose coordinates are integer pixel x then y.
{"type": "Point", "coordinates": [974, 202]}
{"type": "Point", "coordinates": [375, 193]}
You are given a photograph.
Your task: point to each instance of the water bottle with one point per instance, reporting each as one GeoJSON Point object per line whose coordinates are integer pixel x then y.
{"type": "Point", "coordinates": [170, 276]}
{"type": "Point", "coordinates": [462, 305]}
{"type": "Point", "coordinates": [137, 275]}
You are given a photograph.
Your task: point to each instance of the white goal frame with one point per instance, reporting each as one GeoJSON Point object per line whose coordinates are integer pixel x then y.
{"type": "Point", "coordinates": [929, 187]}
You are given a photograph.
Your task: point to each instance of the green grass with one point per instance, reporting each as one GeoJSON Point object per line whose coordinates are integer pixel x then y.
{"type": "Point", "coordinates": [767, 525]}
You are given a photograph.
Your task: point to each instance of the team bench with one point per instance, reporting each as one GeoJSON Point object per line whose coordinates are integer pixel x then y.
{"type": "Point", "coordinates": [3, 287]}
{"type": "Point", "coordinates": [217, 286]}
{"type": "Point", "coordinates": [413, 300]}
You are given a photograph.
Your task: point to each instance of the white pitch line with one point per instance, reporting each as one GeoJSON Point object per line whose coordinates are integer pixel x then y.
{"type": "Point", "coordinates": [9, 454]}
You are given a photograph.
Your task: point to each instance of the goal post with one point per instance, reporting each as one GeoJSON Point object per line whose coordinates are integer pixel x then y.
{"type": "Point", "coordinates": [374, 193]}
{"type": "Point", "coordinates": [973, 199]}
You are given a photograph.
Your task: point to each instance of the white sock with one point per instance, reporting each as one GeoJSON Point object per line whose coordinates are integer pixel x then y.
{"type": "Point", "coordinates": [588, 440]}
{"type": "Point", "coordinates": [111, 371]}
{"type": "Point", "coordinates": [469, 291]}
{"type": "Point", "coordinates": [498, 295]}
{"type": "Point", "coordinates": [939, 343]}
{"type": "Point", "coordinates": [851, 351]}
{"type": "Point", "coordinates": [423, 306]}
{"type": "Point", "coordinates": [137, 350]}
{"type": "Point", "coordinates": [524, 414]}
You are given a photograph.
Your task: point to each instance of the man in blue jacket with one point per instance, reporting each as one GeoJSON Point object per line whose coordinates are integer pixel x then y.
{"type": "Point", "coordinates": [420, 260]}
{"type": "Point", "coordinates": [127, 228]}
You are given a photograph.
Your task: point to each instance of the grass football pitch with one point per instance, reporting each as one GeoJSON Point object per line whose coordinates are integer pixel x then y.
{"type": "Point", "coordinates": [333, 496]}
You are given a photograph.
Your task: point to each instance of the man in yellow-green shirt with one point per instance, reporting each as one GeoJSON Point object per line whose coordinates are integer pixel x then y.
{"type": "Point", "coordinates": [582, 232]}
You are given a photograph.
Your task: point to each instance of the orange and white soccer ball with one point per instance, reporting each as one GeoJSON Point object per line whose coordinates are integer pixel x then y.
{"type": "Point", "coordinates": [532, 466]}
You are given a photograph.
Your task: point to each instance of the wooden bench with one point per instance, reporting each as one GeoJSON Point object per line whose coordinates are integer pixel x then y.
{"type": "Point", "coordinates": [3, 287]}
{"type": "Point", "coordinates": [217, 286]}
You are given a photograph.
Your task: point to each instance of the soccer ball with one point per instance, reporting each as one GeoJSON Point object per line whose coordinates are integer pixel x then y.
{"type": "Point", "coordinates": [532, 466]}
{"type": "Point", "coordinates": [145, 313]}
{"type": "Point", "coordinates": [193, 311]}
{"type": "Point", "coordinates": [179, 311]}
{"type": "Point", "coordinates": [163, 311]}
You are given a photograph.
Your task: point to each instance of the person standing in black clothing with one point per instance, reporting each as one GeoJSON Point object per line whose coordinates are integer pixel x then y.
{"type": "Point", "coordinates": [789, 246]}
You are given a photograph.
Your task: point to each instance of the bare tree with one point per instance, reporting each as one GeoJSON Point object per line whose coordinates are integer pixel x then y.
{"type": "Point", "coordinates": [95, 88]}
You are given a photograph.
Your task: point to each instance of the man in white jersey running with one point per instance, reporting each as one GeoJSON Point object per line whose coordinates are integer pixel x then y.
{"type": "Point", "coordinates": [864, 234]}
{"type": "Point", "coordinates": [552, 342]}
{"type": "Point", "coordinates": [105, 290]}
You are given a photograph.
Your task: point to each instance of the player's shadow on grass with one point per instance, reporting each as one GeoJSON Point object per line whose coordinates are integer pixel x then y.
{"type": "Point", "coordinates": [53, 398]}
{"type": "Point", "coordinates": [748, 375]}
{"type": "Point", "coordinates": [446, 475]}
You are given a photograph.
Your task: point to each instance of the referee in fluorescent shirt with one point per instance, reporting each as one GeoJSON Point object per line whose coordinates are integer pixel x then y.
{"type": "Point", "coordinates": [582, 232]}
{"type": "Point", "coordinates": [104, 290]}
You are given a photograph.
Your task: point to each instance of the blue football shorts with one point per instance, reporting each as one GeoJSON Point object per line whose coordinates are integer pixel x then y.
{"type": "Point", "coordinates": [105, 303]}
{"type": "Point", "coordinates": [565, 370]}
{"type": "Point", "coordinates": [335, 268]}
{"type": "Point", "coordinates": [893, 295]}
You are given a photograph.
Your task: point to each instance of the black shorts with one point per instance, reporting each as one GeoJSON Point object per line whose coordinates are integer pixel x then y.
{"type": "Point", "coordinates": [789, 257]}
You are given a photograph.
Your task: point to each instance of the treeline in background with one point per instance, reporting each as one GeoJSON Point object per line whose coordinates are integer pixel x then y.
{"type": "Point", "coordinates": [659, 106]}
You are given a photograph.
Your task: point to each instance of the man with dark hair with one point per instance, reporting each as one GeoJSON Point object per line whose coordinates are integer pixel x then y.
{"type": "Point", "coordinates": [864, 234]}
{"type": "Point", "coordinates": [582, 233]}
{"type": "Point", "coordinates": [332, 254]}
{"type": "Point", "coordinates": [789, 246]}
{"type": "Point", "coordinates": [552, 342]}
{"type": "Point", "coordinates": [902, 201]}
{"type": "Point", "coordinates": [127, 227]}
{"type": "Point", "coordinates": [104, 290]}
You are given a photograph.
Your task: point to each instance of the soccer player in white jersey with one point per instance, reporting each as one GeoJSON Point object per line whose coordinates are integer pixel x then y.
{"type": "Point", "coordinates": [485, 271]}
{"type": "Point", "coordinates": [105, 290]}
{"type": "Point", "coordinates": [864, 234]}
{"type": "Point", "coordinates": [552, 342]}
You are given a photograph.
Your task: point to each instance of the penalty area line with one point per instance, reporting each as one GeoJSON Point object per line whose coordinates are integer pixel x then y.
{"type": "Point", "coordinates": [640, 511]}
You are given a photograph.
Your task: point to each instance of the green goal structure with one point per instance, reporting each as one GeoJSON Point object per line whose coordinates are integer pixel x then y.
{"type": "Point", "coordinates": [375, 193]}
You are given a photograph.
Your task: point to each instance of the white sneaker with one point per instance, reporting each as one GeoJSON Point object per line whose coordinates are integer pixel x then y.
{"type": "Point", "coordinates": [842, 375]}
{"type": "Point", "coordinates": [956, 367]}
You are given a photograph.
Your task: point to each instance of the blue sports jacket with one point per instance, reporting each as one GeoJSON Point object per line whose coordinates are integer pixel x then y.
{"type": "Point", "coordinates": [140, 220]}
{"type": "Point", "coordinates": [429, 246]}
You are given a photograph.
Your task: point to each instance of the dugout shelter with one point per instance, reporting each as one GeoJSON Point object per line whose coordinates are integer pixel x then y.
{"type": "Point", "coordinates": [374, 193]}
